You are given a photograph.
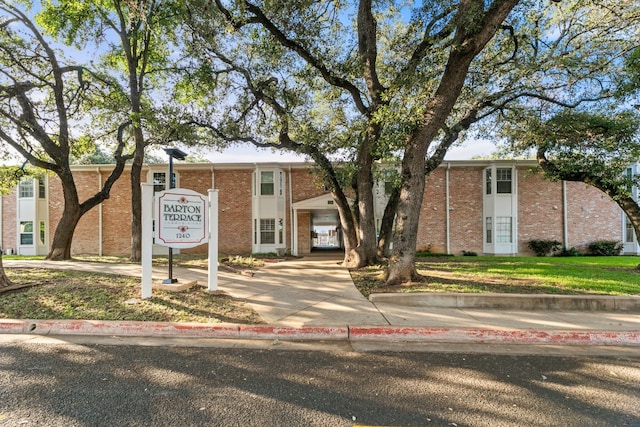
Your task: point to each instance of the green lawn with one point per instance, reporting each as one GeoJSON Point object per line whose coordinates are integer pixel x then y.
{"type": "Point", "coordinates": [61, 294]}
{"type": "Point", "coordinates": [554, 275]}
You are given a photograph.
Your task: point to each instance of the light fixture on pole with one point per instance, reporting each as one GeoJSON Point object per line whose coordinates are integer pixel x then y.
{"type": "Point", "coordinates": [173, 153]}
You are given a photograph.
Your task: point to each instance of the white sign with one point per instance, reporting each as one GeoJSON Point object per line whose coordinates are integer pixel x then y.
{"type": "Point", "coordinates": [181, 218]}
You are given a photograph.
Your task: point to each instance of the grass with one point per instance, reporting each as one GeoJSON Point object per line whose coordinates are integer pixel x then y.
{"type": "Point", "coordinates": [528, 275]}
{"type": "Point", "coordinates": [60, 294]}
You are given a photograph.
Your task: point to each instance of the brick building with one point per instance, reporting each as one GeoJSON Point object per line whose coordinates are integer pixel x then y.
{"type": "Point", "coordinates": [488, 207]}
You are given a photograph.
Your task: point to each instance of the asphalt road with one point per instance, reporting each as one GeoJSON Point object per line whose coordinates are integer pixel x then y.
{"type": "Point", "coordinates": [125, 385]}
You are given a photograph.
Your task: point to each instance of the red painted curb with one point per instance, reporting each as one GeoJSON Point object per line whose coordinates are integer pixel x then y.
{"type": "Point", "coordinates": [122, 328]}
{"type": "Point", "coordinates": [461, 335]}
{"type": "Point", "coordinates": [301, 333]}
{"type": "Point", "coordinates": [351, 333]}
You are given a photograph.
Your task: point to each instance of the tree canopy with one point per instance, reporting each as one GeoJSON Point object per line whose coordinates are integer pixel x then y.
{"type": "Point", "coordinates": [135, 41]}
{"type": "Point", "coordinates": [366, 89]}
{"type": "Point", "coordinates": [44, 102]}
{"type": "Point", "coordinates": [363, 82]}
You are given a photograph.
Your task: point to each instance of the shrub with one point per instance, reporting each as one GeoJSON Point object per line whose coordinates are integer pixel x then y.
{"type": "Point", "coordinates": [569, 252]}
{"type": "Point", "coordinates": [543, 247]}
{"type": "Point", "coordinates": [605, 248]}
{"type": "Point", "coordinates": [469, 253]}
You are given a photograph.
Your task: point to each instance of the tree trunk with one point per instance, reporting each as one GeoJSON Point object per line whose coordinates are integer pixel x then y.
{"type": "Point", "coordinates": [63, 236]}
{"type": "Point", "coordinates": [4, 280]}
{"type": "Point", "coordinates": [631, 208]}
{"type": "Point", "coordinates": [401, 266]}
{"type": "Point", "coordinates": [469, 40]}
{"type": "Point", "coordinates": [136, 205]}
{"type": "Point", "coordinates": [367, 244]}
{"type": "Point", "coordinates": [386, 225]}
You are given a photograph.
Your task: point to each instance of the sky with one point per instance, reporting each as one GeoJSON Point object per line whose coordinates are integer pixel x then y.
{"type": "Point", "coordinates": [249, 154]}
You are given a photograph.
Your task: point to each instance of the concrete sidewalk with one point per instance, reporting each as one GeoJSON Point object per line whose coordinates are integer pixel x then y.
{"type": "Point", "coordinates": [314, 298]}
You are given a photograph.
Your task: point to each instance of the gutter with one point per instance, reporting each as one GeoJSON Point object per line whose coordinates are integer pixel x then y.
{"type": "Point", "coordinates": [99, 213]}
{"type": "Point", "coordinates": [448, 219]}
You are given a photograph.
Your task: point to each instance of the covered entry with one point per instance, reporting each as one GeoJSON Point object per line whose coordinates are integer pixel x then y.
{"type": "Point", "coordinates": [316, 224]}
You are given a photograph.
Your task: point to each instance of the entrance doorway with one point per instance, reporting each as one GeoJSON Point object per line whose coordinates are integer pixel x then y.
{"type": "Point", "coordinates": [316, 225]}
{"type": "Point", "coordinates": [325, 226]}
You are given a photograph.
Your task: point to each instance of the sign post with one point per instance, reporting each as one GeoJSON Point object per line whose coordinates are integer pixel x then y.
{"type": "Point", "coordinates": [213, 241]}
{"type": "Point", "coordinates": [147, 238]}
{"type": "Point", "coordinates": [183, 219]}
{"type": "Point", "coordinates": [180, 155]}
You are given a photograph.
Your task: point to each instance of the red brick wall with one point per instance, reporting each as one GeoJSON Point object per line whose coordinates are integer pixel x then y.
{"type": "Point", "coordinates": [200, 181]}
{"type": "Point", "coordinates": [306, 185]}
{"type": "Point", "coordinates": [9, 221]}
{"type": "Point", "coordinates": [432, 228]}
{"type": "Point", "coordinates": [304, 233]}
{"type": "Point", "coordinates": [592, 215]}
{"type": "Point", "coordinates": [56, 205]}
{"type": "Point", "coordinates": [234, 210]}
{"type": "Point", "coordinates": [465, 215]}
{"type": "Point", "coordinates": [85, 237]}
{"type": "Point", "coordinates": [540, 210]}
{"type": "Point", "coordinates": [116, 217]}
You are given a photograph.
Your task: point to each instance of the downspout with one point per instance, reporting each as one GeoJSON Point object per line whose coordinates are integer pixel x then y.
{"type": "Point", "coordinates": [213, 187]}
{"type": "Point", "coordinates": [448, 223]}
{"type": "Point", "coordinates": [565, 215]}
{"type": "Point", "coordinates": [99, 213]}
{"type": "Point", "coordinates": [291, 227]}
{"type": "Point", "coordinates": [2, 248]}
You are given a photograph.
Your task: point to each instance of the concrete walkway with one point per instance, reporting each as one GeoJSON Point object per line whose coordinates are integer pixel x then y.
{"type": "Point", "coordinates": [314, 297]}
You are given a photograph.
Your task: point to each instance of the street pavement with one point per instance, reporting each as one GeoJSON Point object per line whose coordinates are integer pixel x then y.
{"type": "Point", "coordinates": [313, 298]}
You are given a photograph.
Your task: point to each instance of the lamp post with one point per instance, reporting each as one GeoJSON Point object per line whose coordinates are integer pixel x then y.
{"type": "Point", "coordinates": [177, 154]}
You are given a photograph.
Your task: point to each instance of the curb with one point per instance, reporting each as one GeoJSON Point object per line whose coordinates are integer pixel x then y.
{"type": "Point", "coordinates": [312, 333]}
{"type": "Point", "coordinates": [511, 301]}
{"type": "Point", "coordinates": [494, 336]}
{"type": "Point", "coordinates": [169, 329]}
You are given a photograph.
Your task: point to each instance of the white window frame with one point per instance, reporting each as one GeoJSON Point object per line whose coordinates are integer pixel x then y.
{"type": "Point", "coordinates": [504, 229]}
{"type": "Point", "coordinates": [504, 175]}
{"type": "Point", "coordinates": [267, 231]}
{"type": "Point", "coordinates": [24, 232]}
{"type": "Point", "coordinates": [25, 189]}
{"type": "Point", "coordinates": [265, 184]}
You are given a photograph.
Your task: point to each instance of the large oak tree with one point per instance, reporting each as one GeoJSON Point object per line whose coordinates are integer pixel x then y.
{"type": "Point", "coordinates": [44, 102]}
{"type": "Point", "coordinates": [134, 39]}
{"type": "Point", "coordinates": [362, 82]}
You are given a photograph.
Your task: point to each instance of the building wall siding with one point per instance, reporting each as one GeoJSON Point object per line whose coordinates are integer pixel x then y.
{"type": "Point", "coordinates": [305, 185]}
{"type": "Point", "coordinates": [234, 210]}
{"type": "Point", "coordinates": [9, 221]}
{"type": "Point", "coordinates": [591, 214]}
{"type": "Point", "coordinates": [540, 210]}
{"type": "Point", "coordinates": [116, 217]}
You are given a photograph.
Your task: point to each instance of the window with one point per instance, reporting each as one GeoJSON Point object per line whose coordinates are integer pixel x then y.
{"type": "Point", "coordinates": [25, 188]}
{"type": "Point", "coordinates": [159, 181]}
{"type": "Point", "coordinates": [43, 230]}
{"type": "Point", "coordinates": [504, 229]}
{"type": "Point", "coordinates": [26, 232]}
{"type": "Point", "coordinates": [42, 190]}
{"type": "Point", "coordinates": [629, 178]}
{"type": "Point", "coordinates": [629, 234]}
{"type": "Point", "coordinates": [503, 180]}
{"type": "Point", "coordinates": [266, 184]}
{"type": "Point", "coordinates": [267, 231]}
{"type": "Point", "coordinates": [488, 182]}
{"type": "Point", "coordinates": [489, 227]}
{"type": "Point", "coordinates": [281, 184]}
{"type": "Point", "coordinates": [280, 230]}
